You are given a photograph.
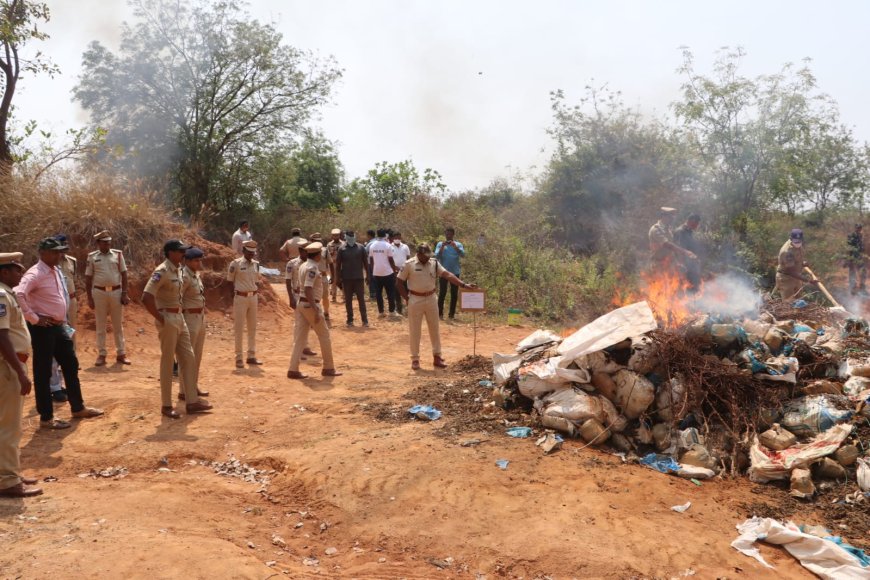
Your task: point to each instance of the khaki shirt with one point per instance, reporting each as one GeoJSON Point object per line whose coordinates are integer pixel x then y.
{"type": "Point", "coordinates": [291, 246]}
{"type": "Point", "coordinates": [106, 268]}
{"type": "Point", "coordinates": [291, 273]}
{"type": "Point", "coordinates": [310, 277]}
{"type": "Point", "coordinates": [165, 285]}
{"type": "Point", "coordinates": [244, 274]}
{"type": "Point", "coordinates": [69, 267]}
{"type": "Point", "coordinates": [12, 319]}
{"type": "Point", "coordinates": [791, 260]}
{"type": "Point", "coordinates": [421, 277]}
{"type": "Point", "coordinates": [659, 234]}
{"type": "Point", "coordinates": [192, 290]}
{"type": "Point", "coordinates": [332, 250]}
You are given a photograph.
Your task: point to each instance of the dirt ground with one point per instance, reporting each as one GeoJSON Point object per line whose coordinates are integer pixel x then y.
{"type": "Point", "coordinates": [334, 491]}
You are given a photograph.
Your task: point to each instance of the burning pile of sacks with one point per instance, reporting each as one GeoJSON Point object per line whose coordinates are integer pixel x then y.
{"type": "Point", "coordinates": [600, 384]}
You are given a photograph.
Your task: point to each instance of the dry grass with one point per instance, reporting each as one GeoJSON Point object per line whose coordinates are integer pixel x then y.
{"type": "Point", "coordinates": [79, 208]}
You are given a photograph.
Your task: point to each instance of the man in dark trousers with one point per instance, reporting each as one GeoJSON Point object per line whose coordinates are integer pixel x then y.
{"type": "Point", "coordinates": [43, 297]}
{"type": "Point", "coordinates": [856, 260]}
{"type": "Point", "coordinates": [448, 254]}
{"type": "Point", "coordinates": [684, 236]}
{"type": "Point", "coordinates": [351, 270]}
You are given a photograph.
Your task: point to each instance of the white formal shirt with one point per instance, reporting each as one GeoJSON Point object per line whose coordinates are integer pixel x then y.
{"type": "Point", "coordinates": [401, 254]}
{"type": "Point", "coordinates": [381, 251]}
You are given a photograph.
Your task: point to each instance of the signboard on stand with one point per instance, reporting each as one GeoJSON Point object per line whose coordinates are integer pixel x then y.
{"type": "Point", "coordinates": [472, 300]}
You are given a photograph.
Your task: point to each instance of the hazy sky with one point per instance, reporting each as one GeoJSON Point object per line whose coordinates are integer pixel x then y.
{"type": "Point", "coordinates": [412, 87]}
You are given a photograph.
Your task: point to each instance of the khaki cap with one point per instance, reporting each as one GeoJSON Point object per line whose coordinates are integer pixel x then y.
{"type": "Point", "coordinates": [249, 245]}
{"type": "Point", "coordinates": [315, 236]}
{"type": "Point", "coordinates": [335, 232]}
{"type": "Point", "coordinates": [667, 210]}
{"type": "Point", "coordinates": [12, 258]}
{"type": "Point", "coordinates": [103, 236]}
{"type": "Point", "coordinates": [314, 247]}
{"type": "Point", "coordinates": [301, 243]}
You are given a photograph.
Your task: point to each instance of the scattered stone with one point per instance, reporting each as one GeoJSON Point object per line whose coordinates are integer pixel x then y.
{"type": "Point", "coordinates": [331, 551]}
{"type": "Point", "coordinates": [311, 562]}
{"type": "Point", "coordinates": [802, 486]}
{"type": "Point", "coordinates": [442, 564]}
{"type": "Point", "coordinates": [847, 455]}
{"type": "Point", "coordinates": [235, 468]}
{"type": "Point", "coordinates": [109, 473]}
{"type": "Point", "coordinates": [251, 545]}
{"type": "Point", "coordinates": [278, 541]}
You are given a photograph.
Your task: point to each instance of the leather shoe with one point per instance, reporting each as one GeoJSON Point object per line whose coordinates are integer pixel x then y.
{"type": "Point", "coordinates": [20, 490]}
{"type": "Point", "coordinates": [28, 480]}
{"type": "Point", "coordinates": [415, 365]}
{"type": "Point", "coordinates": [54, 424]}
{"type": "Point", "coordinates": [438, 362]}
{"type": "Point", "coordinates": [101, 361]}
{"type": "Point", "coordinates": [253, 361]}
{"type": "Point", "coordinates": [169, 412]}
{"type": "Point", "coordinates": [181, 396]}
{"type": "Point", "coordinates": [308, 351]}
{"type": "Point", "coordinates": [330, 373]}
{"type": "Point", "coordinates": [296, 375]}
{"type": "Point", "coordinates": [240, 364]}
{"type": "Point", "coordinates": [199, 407]}
{"type": "Point", "coordinates": [87, 413]}
{"type": "Point", "coordinates": [122, 359]}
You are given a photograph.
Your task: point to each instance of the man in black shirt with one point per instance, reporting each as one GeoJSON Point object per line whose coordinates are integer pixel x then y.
{"type": "Point", "coordinates": [351, 270]}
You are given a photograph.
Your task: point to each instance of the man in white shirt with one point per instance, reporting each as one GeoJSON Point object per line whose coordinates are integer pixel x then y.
{"type": "Point", "coordinates": [384, 271]}
{"type": "Point", "coordinates": [241, 235]}
{"type": "Point", "coordinates": [290, 249]}
{"type": "Point", "coordinates": [401, 254]}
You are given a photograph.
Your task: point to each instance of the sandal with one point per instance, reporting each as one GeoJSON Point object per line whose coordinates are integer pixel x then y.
{"type": "Point", "coordinates": [54, 424]}
{"type": "Point", "coordinates": [87, 413]}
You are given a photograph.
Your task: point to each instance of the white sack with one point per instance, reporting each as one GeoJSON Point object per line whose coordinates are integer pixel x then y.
{"type": "Point", "coordinates": [573, 375]}
{"type": "Point", "coordinates": [642, 359]}
{"type": "Point", "coordinates": [609, 329]}
{"type": "Point", "coordinates": [864, 474]}
{"type": "Point", "coordinates": [670, 399]}
{"type": "Point", "coordinates": [769, 465]}
{"type": "Point", "coordinates": [634, 393]}
{"type": "Point", "coordinates": [540, 378]}
{"type": "Point", "coordinates": [855, 388]}
{"type": "Point", "coordinates": [821, 557]}
{"type": "Point", "coordinates": [537, 338]}
{"type": "Point", "coordinates": [574, 405]}
{"type": "Point", "coordinates": [503, 365]}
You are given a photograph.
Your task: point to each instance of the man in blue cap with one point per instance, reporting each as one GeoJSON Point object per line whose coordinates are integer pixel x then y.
{"type": "Point", "coordinates": [790, 277]}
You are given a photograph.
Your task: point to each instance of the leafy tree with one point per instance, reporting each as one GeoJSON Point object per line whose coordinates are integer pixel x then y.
{"type": "Point", "coordinates": [610, 168]}
{"type": "Point", "coordinates": [200, 91]}
{"type": "Point", "coordinates": [308, 176]}
{"type": "Point", "coordinates": [389, 185]}
{"type": "Point", "coordinates": [19, 24]}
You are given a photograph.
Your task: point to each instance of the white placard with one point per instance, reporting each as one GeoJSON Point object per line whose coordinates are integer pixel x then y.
{"type": "Point", "coordinates": [472, 300]}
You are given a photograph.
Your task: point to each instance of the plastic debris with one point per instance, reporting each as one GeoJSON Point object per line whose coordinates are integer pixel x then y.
{"type": "Point", "coordinates": [426, 412]}
{"type": "Point", "coordinates": [682, 508]}
{"type": "Point", "coordinates": [661, 463]}
{"type": "Point", "coordinates": [824, 558]}
{"type": "Point", "coordinates": [520, 432]}
{"type": "Point", "coordinates": [550, 442]}
{"type": "Point", "coordinates": [502, 463]}
{"type": "Point", "coordinates": [809, 416]}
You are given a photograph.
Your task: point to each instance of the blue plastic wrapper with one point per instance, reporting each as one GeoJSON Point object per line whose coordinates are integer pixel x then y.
{"type": "Point", "coordinates": [426, 411]}
{"type": "Point", "coordinates": [799, 328]}
{"type": "Point", "coordinates": [661, 463]}
{"type": "Point", "coordinates": [484, 383]}
{"type": "Point", "coordinates": [859, 554]}
{"type": "Point", "coordinates": [519, 432]}
{"type": "Point", "coordinates": [799, 304]}
{"type": "Point", "coordinates": [502, 463]}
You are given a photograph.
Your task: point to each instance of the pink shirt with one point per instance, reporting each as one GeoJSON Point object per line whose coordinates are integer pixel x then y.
{"type": "Point", "coordinates": [42, 292]}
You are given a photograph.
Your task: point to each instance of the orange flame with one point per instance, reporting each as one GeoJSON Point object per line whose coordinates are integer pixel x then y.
{"type": "Point", "coordinates": [668, 295]}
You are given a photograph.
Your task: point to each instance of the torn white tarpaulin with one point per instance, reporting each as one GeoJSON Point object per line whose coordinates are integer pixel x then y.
{"type": "Point", "coordinates": [769, 465]}
{"type": "Point", "coordinates": [503, 365]}
{"type": "Point", "coordinates": [821, 557]}
{"type": "Point", "coordinates": [613, 327]}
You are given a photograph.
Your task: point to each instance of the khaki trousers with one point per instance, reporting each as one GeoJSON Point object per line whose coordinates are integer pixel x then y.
{"type": "Point", "coordinates": [420, 307]}
{"type": "Point", "coordinates": [788, 287]}
{"type": "Point", "coordinates": [245, 313]}
{"type": "Point", "coordinates": [304, 323]}
{"type": "Point", "coordinates": [11, 410]}
{"type": "Point", "coordinates": [196, 328]}
{"type": "Point", "coordinates": [109, 304]}
{"type": "Point", "coordinates": [325, 299]}
{"type": "Point", "coordinates": [175, 345]}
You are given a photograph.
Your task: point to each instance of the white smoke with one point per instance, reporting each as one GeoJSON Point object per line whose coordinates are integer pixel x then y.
{"type": "Point", "coordinates": [728, 294]}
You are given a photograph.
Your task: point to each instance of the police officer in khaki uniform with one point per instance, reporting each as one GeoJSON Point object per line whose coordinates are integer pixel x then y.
{"type": "Point", "coordinates": [193, 308]}
{"type": "Point", "coordinates": [309, 315]}
{"type": "Point", "coordinates": [294, 291]}
{"type": "Point", "coordinates": [664, 253]}
{"type": "Point", "coordinates": [332, 249]}
{"type": "Point", "coordinates": [323, 265]}
{"type": "Point", "coordinates": [106, 285]}
{"type": "Point", "coordinates": [244, 274]}
{"type": "Point", "coordinates": [162, 299]}
{"type": "Point", "coordinates": [14, 382]}
{"type": "Point", "coordinates": [790, 277]}
{"type": "Point", "coordinates": [418, 283]}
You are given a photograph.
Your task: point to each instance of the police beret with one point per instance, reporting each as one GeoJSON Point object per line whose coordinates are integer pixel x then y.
{"type": "Point", "coordinates": [175, 246]}
{"type": "Point", "coordinates": [193, 253]}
